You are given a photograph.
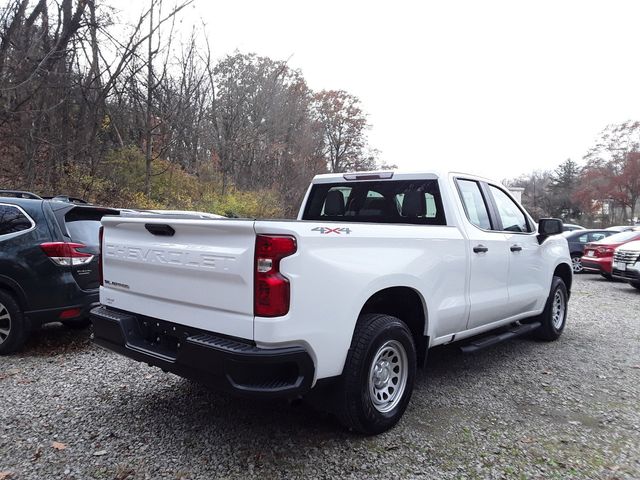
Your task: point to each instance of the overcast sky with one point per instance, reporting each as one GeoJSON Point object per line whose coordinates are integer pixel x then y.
{"type": "Point", "coordinates": [496, 88]}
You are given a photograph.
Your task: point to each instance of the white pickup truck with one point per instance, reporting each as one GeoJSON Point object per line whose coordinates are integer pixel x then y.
{"type": "Point", "coordinates": [346, 300]}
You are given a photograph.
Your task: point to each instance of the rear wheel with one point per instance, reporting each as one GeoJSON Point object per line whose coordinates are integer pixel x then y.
{"type": "Point", "coordinates": [635, 285]}
{"type": "Point", "coordinates": [554, 316]}
{"type": "Point", "coordinates": [378, 375]}
{"type": "Point", "coordinates": [576, 264]}
{"type": "Point", "coordinates": [13, 331]}
{"type": "Point", "coordinates": [607, 276]}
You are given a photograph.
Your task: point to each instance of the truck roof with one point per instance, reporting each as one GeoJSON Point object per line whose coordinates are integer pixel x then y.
{"type": "Point", "coordinates": [390, 175]}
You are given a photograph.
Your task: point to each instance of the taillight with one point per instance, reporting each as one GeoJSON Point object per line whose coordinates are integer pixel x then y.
{"type": "Point", "coordinates": [271, 289]}
{"type": "Point", "coordinates": [66, 254]}
{"type": "Point", "coordinates": [100, 242]}
{"type": "Point", "coordinates": [70, 313]}
{"type": "Point", "coordinates": [604, 251]}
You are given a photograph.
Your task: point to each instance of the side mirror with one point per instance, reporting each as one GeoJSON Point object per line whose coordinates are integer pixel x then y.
{"type": "Point", "coordinates": [548, 227]}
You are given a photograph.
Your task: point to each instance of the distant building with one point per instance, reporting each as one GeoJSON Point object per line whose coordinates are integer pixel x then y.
{"type": "Point", "coordinates": [516, 192]}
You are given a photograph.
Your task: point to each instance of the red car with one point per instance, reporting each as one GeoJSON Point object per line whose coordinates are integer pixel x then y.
{"type": "Point", "coordinates": [598, 256]}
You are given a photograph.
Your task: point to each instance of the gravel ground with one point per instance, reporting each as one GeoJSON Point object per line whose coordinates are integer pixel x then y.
{"type": "Point", "coordinates": [522, 409]}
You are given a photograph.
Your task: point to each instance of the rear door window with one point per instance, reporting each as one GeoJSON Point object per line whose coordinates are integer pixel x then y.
{"type": "Point", "coordinates": [13, 220]}
{"type": "Point", "coordinates": [390, 201]}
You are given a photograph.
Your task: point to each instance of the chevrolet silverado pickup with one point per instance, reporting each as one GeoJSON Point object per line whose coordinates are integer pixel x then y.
{"type": "Point", "coordinates": [341, 303]}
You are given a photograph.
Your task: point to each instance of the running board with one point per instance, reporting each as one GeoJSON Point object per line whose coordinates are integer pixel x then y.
{"type": "Point", "coordinates": [490, 340]}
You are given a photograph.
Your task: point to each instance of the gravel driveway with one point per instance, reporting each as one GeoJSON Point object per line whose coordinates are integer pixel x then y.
{"type": "Point", "coordinates": [523, 409]}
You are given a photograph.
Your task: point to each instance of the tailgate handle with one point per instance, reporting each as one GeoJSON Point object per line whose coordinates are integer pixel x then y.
{"type": "Point", "coordinates": [161, 229]}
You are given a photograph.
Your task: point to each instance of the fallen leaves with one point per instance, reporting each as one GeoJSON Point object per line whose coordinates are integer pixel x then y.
{"type": "Point", "coordinates": [37, 454]}
{"type": "Point", "coordinates": [6, 475]}
{"type": "Point", "coordinates": [58, 445]}
{"type": "Point", "coordinates": [9, 373]}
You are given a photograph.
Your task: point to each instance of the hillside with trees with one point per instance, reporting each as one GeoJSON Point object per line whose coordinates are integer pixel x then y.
{"type": "Point", "coordinates": [137, 116]}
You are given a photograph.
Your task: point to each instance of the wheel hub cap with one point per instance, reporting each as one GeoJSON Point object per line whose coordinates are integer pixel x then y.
{"type": "Point", "coordinates": [381, 374]}
{"type": "Point", "coordinates": [558, 310]}
{"type": "Point", "coordinates": [577, 264]}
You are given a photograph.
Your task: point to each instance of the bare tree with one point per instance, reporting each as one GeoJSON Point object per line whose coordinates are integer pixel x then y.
{"type": "Point", "coordinates": [344, 126]}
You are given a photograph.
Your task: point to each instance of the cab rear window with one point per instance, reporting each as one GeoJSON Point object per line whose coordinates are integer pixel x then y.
{"type": "Point", "coordinates": [397, 201]}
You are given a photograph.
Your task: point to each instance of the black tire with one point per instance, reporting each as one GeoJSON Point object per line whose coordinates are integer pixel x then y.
{"type": "Point", "coordinates": [79, 324]}
{"type": "Point", "coordinates": [576, 263]}
{"type": "Point", "coordinates": [607, 276]}
{"type": "Point", "coordinates": [376, 337]}
{"type": "Point", "coordinates": [12, 324]}
{"type": "Point", "coordinates": [635, 285]}
{"type": "Point", "coordinates": [552, 318]}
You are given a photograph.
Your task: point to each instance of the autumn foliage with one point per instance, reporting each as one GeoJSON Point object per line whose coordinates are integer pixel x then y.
{"type": "Point", "coordinates": [135, 116]}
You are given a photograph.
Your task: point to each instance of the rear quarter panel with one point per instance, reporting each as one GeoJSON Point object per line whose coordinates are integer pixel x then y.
{"type": "Point", "coordinates": [332, 276]}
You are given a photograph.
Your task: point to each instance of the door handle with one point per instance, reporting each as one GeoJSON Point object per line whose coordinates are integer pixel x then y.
{"type": "Point", "coordinates": [480, 249]}
{"type": "Point", "coordinates": [516, 248]}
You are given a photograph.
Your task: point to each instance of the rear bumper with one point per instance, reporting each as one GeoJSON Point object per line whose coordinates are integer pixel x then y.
{"type": "Point", "coordinates": [39, 317]}
{"type": "Point", "coordinates": [596, 265]}
{"type": "Point", "coordinates": [221, 362]}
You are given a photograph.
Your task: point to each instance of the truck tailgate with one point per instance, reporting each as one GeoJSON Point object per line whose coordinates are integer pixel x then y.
{"type": "Point", "coordinates": [195, 272]}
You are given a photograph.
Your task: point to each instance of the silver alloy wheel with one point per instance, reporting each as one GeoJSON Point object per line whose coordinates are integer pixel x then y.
{"type": "Point", "coordinates": [388, 376]}
{"type": "Point", "coordinates": [576, 263]}
{"type": "Point", "coordinates": [558, 309]}
{"type": "Point", "coordinates": [5, 323]}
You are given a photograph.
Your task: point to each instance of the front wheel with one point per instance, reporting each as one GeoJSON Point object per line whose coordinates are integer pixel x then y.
{"type": "Point", "coordinates": [378, 375]}
{"type": "Point", "coordinates": [635, 285]}
{"type": "Point", "coordinates": [554, 316]}
{"type": "Point", "coordinates": [576, 264]}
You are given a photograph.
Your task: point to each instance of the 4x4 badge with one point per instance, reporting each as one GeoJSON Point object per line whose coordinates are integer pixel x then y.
{"type": "Point", "coordinates": [327, 230]}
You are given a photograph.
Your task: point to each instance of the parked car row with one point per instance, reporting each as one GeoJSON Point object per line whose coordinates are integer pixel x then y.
{"type": "Point", "coordinates": [578, 239]}
{"type": "Point", "coordinates": [49, 259]}
{"type": "Point", "coordinates": [601, 251]}
{"type": "Point", "coordinates": [598, 256]}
